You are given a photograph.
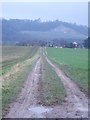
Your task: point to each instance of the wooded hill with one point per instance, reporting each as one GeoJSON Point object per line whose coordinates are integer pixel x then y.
{"type": "Point", "coordinates": [17, 30]}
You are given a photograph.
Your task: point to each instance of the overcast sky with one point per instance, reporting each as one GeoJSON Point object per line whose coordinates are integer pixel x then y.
{"type": "Point", "coordinates": [67, 11]}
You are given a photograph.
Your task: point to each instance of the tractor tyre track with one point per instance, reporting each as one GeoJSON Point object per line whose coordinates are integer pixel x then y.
{"type": "Point", "coordinates": [76, 104]}
{"type": "Point", "coordinates": [28, 96]}
{"type": "Point", "coordinates": [27, 104]}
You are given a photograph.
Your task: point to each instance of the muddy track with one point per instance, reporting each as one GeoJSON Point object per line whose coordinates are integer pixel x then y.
{"type": "Point", "coordinates": [28, 96]}
{"type": "Point", "coordinates": [76, 105]}
{"type": "Point", "coordinates": [27, 104]}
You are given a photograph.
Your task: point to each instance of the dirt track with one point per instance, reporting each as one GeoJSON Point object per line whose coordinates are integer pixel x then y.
{"type": "Point", "coordinates": [28, 96]}
{"type": "Point", "coordinates": [76, 102]}
{"type": "Point", "coordinates": [26, 106]}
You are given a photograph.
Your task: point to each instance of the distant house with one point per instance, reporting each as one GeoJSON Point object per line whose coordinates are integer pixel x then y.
{"type": "Point", "coordinates": [75, 44]}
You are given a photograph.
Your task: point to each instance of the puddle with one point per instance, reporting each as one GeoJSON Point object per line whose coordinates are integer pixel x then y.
{"type": "Point", "coordinates": [39, 109]}
{"type": "Point", "coordinates": [83, 109]}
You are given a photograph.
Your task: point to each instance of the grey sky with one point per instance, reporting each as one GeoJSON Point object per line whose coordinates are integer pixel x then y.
{"type": "Point", "coordinates": [67, 11]}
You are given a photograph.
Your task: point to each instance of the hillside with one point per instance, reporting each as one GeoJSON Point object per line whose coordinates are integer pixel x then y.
{"type": "Point", "coordinates": [16, 30]}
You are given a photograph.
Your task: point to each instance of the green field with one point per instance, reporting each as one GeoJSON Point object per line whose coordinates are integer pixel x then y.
{"type": "Point", "coordinates": [74, 62]}
{"type": "Point", "coordinates": [17, 63]}
{"type": "Point", "coordinates": [13, 55]}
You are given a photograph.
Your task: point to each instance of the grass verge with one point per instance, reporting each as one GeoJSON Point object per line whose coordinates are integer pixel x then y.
{"type": "Point", "coordinates": [53, 89]}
